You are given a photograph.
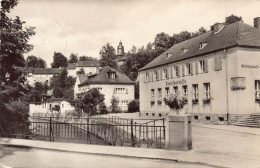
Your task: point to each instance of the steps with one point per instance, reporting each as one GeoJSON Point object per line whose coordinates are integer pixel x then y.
{"type": "Point", "coordinates": [252, 121]}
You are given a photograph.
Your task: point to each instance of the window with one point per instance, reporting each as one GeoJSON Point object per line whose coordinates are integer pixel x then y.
{"type": "Point", "coordinates": [202, 67]}
{"type": "Point", "coordinates": [257, 90]}
{"type": "Point", "coordinates": [195, 92]}
{"type": "Point", "coordinates": [169, 55]}
{"type": "Point", "coordinates": [202, 45]}
{"type": "Point", "coordinates": [111, 74]}
{"type": "Point", "coordinates": [188, 69]}
{"type": "Point", "coordinates": [167, 92]}
{"type": "Point", "coordinates": [120, 91]}
{"type": "Point", "coordinates": [175, 90]}
{"type": "Point", "coordinates": [207, 90]}
{"type": "Point", "coordinates": [175, 71]}
{"type": "Point", "coordinates": [184, 50]}
{"type": "Point", "coordinates": [124, 102]}
{"type": "Point", "coordinates": [62, 105]}
{"type": "Point", "coordinates": [217, 63]}
{"type": "Point", "coordinates": [152, 94]}
{"type": "Point", "coordinates": [165, 74]}
{"type": "Point", "coordinates": [155, 76]}
{"type": "Point", "coordinates": [159, 93]}
{"type": "Point", "coordinates": [185, 93]}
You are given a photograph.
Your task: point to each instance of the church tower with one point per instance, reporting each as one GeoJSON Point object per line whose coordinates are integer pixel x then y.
{"type": "Point", "coordinates": [120, 49]}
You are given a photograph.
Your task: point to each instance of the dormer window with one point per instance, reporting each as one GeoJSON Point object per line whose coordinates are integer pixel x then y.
{"type": "Point", "coordinates": [169, 55]}
{"type": "Point", "coordinates": [202, 45]}
{"type": "Point", "coordinates": [111, 74]}
{"type": "Point", "coordinates": [184, 50]}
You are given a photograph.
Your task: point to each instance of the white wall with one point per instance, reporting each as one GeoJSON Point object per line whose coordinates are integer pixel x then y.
{"type": "Point", "coordinates": [108, 91]}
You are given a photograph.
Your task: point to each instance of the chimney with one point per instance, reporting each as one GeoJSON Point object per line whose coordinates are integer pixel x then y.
{"type": "Point", "coordinates": [257, 22]}
{"type": "Point", "coordinates": [217, 27]}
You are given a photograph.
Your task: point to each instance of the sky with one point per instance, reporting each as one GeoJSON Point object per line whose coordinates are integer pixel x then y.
{"type": "Point", "coordinates": [84, 26]}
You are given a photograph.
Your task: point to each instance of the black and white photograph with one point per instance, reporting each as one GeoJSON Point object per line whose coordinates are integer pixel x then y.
{"type": "Point", "coordinates": [130, 84]}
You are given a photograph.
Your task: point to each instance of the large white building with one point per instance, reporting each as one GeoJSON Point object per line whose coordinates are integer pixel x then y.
{"type": "Point", "coordinates": [217, 72]}
{"type": "Point", "coordinates": [111, 83]}
{"type": "Point", "coordinates": [42, 75]}
{"type": "Point", "coordinates": [50, 107]}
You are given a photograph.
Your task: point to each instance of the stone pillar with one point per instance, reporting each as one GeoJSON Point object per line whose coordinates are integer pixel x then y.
{"type": "Point", "coordinates": [178, 132]}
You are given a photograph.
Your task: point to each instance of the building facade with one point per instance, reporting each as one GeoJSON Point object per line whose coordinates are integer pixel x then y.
{"type": "Point", "coordinates": [217, 74]}
{"type": "Point", "coordinates": [50, 107]}
{"type": "Point", "coordinates": [111, 83]}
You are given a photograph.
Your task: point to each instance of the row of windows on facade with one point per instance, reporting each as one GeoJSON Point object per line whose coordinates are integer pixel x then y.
{"type": "Point", "coordinates": [116, 90]}
{"type": "Point", "coordinates": [195, 91]}
{"type": "Point", "coordinates": [50, 106]}
{"type": "Point", "coordinates": [175, 91]}
{"type": "Point", "coordinates": [187, 69]}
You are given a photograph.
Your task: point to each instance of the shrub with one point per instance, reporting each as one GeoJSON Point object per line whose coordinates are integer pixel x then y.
{"type": "Point", "coordinates": [133, 106]}
{"type": "Point", "coordinates": [175, 102]}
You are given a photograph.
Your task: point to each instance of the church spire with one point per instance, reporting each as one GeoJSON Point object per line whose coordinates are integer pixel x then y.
{"type": "Point", "coordinates": [120, 49]}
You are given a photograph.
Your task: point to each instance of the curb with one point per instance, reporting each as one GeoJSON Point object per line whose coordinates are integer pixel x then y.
{"type": "Point", "coordinates": [226, 130]}
{"type": "Point", "coordinates": [117, 155]}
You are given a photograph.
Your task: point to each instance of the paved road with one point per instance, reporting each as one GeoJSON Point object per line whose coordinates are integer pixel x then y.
{"type": "Point", "coordinates": [38, 158]}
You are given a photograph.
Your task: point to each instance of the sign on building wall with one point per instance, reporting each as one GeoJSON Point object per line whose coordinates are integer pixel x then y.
{"type": "Point", "coordinates": [238, 83]}
{"type": "Point", "coordinates": [180, 82]}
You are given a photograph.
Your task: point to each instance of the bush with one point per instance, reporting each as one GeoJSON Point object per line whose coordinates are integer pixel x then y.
{"type": "Point", "coordinates": [133, 106]}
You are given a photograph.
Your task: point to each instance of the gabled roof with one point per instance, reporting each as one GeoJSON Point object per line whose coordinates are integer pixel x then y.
{"type": "Point", "coordinates": [236, 34]}
{"type": "Point", "coordinates": [103, 78]}
{"type": "Point", "coordinates": [47, 70]}
{"type": "Point", "coordinates": [87, 63]}
{"type": "Point", "coordinates": [82, 77]}
{"type": "Point", "coordinates": [28, 70]}
{"type": "Point", "coordinates": [71, 66]}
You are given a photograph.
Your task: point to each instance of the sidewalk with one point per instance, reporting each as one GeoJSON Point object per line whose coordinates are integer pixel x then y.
{"type": "Point", "coordinates": [231, 128]}
{"type": "Point", "coordinates": [214, 160]}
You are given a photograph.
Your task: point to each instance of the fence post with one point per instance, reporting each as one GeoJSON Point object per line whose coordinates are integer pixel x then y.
{"type": "Point", "coordinates": [50, 129]}
{"type": "Point", "coordinates": [88, 135]}
{"type": "Point", "coordinates": [164, 128]}
{"type": "Point", "coordinates": [132, 134]}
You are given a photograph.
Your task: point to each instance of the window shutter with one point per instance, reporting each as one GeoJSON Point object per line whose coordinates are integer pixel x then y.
{"type": "Point", "coordinates": [151, 76]}
{"type": "Point", "coordinates": [126, 90]}
{"type": "Point", "coordinates": [191, 68]}
{"type": "Point", "coordinates": [114, 90]}
{"type": "Point", "coordinates": [170, 72]}
{"type": "Point", "coordinates": [179, 71]}
{"type": "Point", "coordinates": [160, 72]}
{"type": "Point", "coordinates": [215, 63]}
{"type": "Point", "coordinates": [183, 70]}
{"type": "Point", "coordinates": [197, 68]}
{"type": "Point", "coordinates": [206, 66]}
{"type": "Point", "coordinates": [219, 63]}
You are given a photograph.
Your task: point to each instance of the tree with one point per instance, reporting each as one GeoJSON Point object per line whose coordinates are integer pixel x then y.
{"type": "Point", "coordinates": [232, 19]}
{"type": "Point", "coordinates": [133, 106]}
{"type": "Point", "coordinates": [33, 61]}
{"type": "Point", "coordinates": [114, 104]}
{"type": "Point", "coordinates": [59, 60]}
{"type": "Point", "coordinates": [162, 42]}
{"type": "Point", "coordinates": [41, 63]}
{"type": "Point", "coordinates": [92, 101]}
{"type": "Point", "coordinates": [108, 56]}
{"type": "Point", "coordinates": [35, 93]}
{"type": "Point", "coordinates": [14, 43]}
{"type": "Point", "coordinates": [73, 58]}
{"type": "Point", "coordinates": [87, 58]}
{"type": "Point", "coordinates": [62, 85]}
